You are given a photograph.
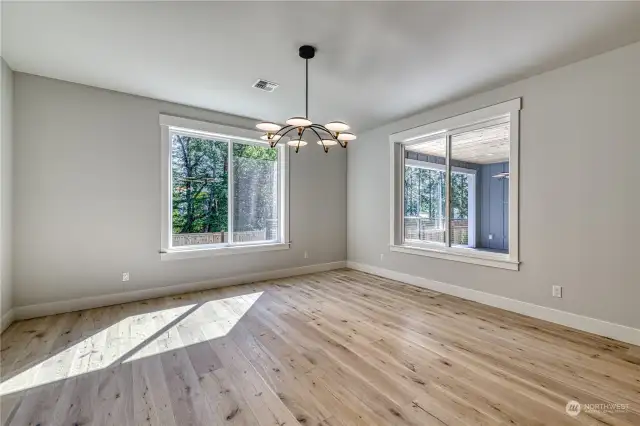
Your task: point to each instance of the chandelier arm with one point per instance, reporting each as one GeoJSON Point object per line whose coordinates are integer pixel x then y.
{"type": "Point", "coordinates": [282, 135]}
{"type": "Point", "coordinates": [320, 139]}
{"type": "Point", "coordinates": [285, 133]}
{"type": "Point", "coordinates": [299, 139]}
{"type": "Point", "coordinates": [324, 129]}
{"type": "Point", "coordinates": [314, 131]}
{"type": "Point", "coordinates": [287, 128]}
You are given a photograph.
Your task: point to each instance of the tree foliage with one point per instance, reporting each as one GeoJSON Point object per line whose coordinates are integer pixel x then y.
{"type": "Point", "coordinates": [200, 173]}
{"type": "Point", "coordinates": [425, 189]}
{"type": "Point", "coordinates": [200, 170]}
{"type": "Point", "coordinates": [459, 196]}
{"type": "Point", "coordinates": [255, 185]}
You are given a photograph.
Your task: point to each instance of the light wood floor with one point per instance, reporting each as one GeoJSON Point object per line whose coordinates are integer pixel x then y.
{"type": "Point", "coordinates": [336, 348]}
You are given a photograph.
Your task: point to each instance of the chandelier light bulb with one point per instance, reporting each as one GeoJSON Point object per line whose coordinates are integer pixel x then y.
{"type": "Point", "coordinates": [299, 122]}
{"type": "Point", "coordinates": [270, 137]}
{"type": "Point", "coordinates": [296, 142]}
{"type": "Point", "coordinates": [346, 136]}
{"type": "Point", "coordinates": [327, 142]}
{"type": "Point", "coordinates": [268, 127]}
{"type": "Point", "coordinates": [337, 126]}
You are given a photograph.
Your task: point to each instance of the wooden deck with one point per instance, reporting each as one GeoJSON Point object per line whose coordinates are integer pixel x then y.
{"type": "Point", "coordinates": [335, 348]}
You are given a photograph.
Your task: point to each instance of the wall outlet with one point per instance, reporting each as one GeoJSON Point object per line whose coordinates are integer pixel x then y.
{"type": "Point", "coordinates": [381, 256]}
{"type": "Point", "coordinates": [125, 276]}
{"type": "Point", "coordinates": [491, 236]}
{"type": "Point", "coordinates": [556, 291]}
{"type": "Point", "coordinates": [306, 255]}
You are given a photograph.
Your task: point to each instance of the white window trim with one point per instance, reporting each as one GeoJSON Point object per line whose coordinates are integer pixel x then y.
{"type": "Point", "coordinates": [397, 141]}
{"type": "Point", "coordinates": [206, 129]}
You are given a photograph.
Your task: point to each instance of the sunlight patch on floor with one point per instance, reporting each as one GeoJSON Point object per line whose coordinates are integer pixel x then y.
{"type": "Point", "coordinates": [137, 337]}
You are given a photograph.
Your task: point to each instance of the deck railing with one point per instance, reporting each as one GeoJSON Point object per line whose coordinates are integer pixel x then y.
{"type": "Point", "coordinates": [426, 229]}
{"type": "Point", "coordinates": [268, 234]}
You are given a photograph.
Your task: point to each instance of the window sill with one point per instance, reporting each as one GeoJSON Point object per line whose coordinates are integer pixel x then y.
{"type": "Point", "coordinates": [194, 252]}
{"type": "Point", "coordinates": [466, 255]}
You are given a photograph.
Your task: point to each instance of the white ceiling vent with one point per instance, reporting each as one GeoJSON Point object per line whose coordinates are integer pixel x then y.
{"type": "Point", "coordinates": [267, 86]}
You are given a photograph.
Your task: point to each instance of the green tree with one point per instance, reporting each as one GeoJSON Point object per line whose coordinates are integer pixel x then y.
{"type": "Point", "coordinates": [200, 173]}
{"type": "Point", "coordinates": [424, 189]}
{"type": "Point", "coordinates": [255, 186]}
{"type": "Point", "coordinates": [459, 196]}
{"type": "Point", "coordinates": [411, 191]}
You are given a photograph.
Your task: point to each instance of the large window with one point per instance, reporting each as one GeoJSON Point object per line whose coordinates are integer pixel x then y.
{"type": "Point", "coordinates": [224, 190]}
{"type": "Point", "coordinates": [454, 189]}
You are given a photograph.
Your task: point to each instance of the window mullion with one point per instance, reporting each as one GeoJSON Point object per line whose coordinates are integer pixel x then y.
{"type": "Point", "coordinates": [230, 192]}
{"type": "Point", "coordinates": [400, 212]}
{"type": "Point", "coordinates": [283, 213]}
{"type": "Point", "coordinates": [447, 198]}
{"type": "Point", "coordinates": [279, 209]}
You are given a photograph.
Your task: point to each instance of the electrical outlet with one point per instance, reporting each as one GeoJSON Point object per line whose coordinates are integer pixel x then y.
{"type": "Point", "coordinates": [125, 276]}
{"type": "Point", "coordinates": [556, 291]}
{"type": "Point", "coordinates": [306, 255]}
{"type": "Point", "coordinates": [491, 236]}
{"type": "Point", "coordinates": [381, 256]}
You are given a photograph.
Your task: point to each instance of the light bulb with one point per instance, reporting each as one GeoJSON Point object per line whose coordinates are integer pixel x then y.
{"type": "Point", "coordinates": [346, 136]}
{"type": "Point", "coordinates": [295, 142]}
{"type": "Point", "coordinates": [337, 126]}
{"type": "Point", "coordinates": [268, 127]}
{"type": "Point", "coordinates": [327, 142]}
{"type": "Point", "coordinates": [299, 122]}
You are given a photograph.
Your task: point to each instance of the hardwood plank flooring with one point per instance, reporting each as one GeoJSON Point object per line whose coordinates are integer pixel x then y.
{"type": "Point", "coordinates": [334, 348]}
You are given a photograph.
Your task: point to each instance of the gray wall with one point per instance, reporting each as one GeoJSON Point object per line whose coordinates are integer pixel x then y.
{"type": "Point", "coordinates": [87, 197]}
{"type": "Point", "coordinates": [6, 147]}
{"type": "Point", "coordinates": [578, 229]}
{"type": "Point", "coordinates": [493, 206]}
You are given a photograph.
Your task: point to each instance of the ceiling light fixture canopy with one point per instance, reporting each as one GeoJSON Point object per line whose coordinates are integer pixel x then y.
{"type": "Point", "coordinates": [331, 134]}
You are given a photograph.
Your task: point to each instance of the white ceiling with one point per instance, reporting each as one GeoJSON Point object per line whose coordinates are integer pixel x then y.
{"type": "Point", "coordinates": [481, 146]}
{"type": "Point", "coordinates": [376, 62]}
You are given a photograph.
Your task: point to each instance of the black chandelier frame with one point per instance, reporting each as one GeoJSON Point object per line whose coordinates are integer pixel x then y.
{"type": "Point", "coordinates": [306, 52]}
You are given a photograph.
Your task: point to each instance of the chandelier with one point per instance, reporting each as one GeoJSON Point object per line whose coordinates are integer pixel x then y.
{"type": "Point", "coordinates": [331, 134]}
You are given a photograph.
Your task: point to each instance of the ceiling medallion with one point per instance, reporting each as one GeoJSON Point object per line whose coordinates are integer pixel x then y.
{"type": "Point", "coordinates": [331, 134]}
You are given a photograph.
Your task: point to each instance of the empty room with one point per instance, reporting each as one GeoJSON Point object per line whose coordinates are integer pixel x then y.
{"type": "Point", "coordinates": [281, 213]}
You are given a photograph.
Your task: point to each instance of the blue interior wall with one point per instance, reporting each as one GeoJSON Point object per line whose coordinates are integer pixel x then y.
{"type": "Point", "coordinates": [493, 207]}
{"type": "Point", "coordinates": [440, 160]}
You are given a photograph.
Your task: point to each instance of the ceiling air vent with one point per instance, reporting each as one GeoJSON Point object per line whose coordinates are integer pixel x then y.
{"type": "Point", "coordinates": [267, 86]}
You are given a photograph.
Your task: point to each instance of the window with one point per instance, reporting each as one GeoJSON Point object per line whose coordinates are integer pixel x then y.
{"type": "Point", "coordinates": [224, 190]}
{"type": "Point", "coordinates": [455, 188]}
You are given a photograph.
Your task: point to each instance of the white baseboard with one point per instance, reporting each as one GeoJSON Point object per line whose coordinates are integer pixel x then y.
{"type": "Point", "coordinates": [7, 319]}
{"type": "Point", "coordinates": [44, 309]}
{"type": "Point", "coordinates": [591, 325]}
